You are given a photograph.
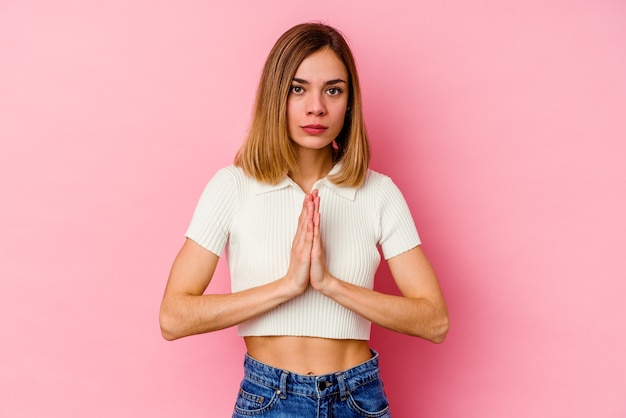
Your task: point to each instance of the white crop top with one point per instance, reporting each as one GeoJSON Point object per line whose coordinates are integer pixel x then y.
{"type": "Point", "coordinates": [257, 223]}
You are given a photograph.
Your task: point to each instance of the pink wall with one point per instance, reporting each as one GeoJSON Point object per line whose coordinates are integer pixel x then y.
{"type": "Point", "coordinates": [504, 123]}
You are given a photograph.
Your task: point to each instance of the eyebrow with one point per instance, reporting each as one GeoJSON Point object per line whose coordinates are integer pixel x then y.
{"type": "Point", "coordinates": [327, 83]}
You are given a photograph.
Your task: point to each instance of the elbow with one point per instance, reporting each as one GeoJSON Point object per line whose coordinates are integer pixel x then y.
{"type": "Point", "coordinates": [439, 336]}
{"type": "Point", "coordinates": [434, 331]}
{"type": "Point", "coordinates": [167, 332]}
{"type": "Point", "coordinates": [168, 335]}
{"type": "Point", "coordinates": [170, 329]}
{"type": "Point", "coordinates": [439, 330]}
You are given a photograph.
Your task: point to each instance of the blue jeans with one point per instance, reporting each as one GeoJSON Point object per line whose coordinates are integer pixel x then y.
{"type": "Point", "coordinates": [274, 393]}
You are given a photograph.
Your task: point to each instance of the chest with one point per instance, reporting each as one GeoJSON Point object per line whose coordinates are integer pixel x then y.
{"type": "Point", "coordinates": [264, 226]}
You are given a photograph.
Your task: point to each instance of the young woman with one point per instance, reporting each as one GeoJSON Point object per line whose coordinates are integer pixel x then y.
{"type": "Point", "coordinates": [302, 217]}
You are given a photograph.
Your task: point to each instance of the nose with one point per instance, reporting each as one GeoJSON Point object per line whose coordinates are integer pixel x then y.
{"type": "Point", "coordinates": [315, 105]}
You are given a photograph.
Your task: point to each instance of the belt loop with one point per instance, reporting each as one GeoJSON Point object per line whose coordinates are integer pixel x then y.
{"type": "Point", "coordinates": [282, 390]}
{"type": "Point", "coordinates": [343, 388]}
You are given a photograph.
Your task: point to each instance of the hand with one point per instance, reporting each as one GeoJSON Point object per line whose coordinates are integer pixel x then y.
{"type": "Point", "coordinates": [319, 270]}
{"type": "Point", "coordinates": [298, 272]}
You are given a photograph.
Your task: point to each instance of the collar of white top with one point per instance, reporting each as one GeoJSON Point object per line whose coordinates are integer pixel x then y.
{"type": "Point", "coordinates": [347, 192]}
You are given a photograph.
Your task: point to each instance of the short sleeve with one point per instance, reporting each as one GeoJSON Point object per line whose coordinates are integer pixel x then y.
{"type": "Point", "coordinates": [398, 231]}
{"type": "Point", "coordinates": [211, 221]}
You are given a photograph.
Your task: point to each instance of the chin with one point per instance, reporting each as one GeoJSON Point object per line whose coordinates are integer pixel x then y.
{"type": "Point", "coordinates": [314, 144]}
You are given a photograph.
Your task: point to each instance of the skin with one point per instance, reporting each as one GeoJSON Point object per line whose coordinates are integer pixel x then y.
{"type": "Point", "coordinates": [319, 96]}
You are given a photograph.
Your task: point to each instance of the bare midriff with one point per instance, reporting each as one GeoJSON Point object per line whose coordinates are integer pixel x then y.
{"type": "Point", "coordinates": [308, 355]}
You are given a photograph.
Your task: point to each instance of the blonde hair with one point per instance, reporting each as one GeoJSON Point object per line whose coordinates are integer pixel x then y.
{"type": "Point", "coordinates": [267, 153]}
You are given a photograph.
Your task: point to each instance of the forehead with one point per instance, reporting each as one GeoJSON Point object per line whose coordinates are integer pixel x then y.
{"type": "Point", "coordinates": [324, 64]}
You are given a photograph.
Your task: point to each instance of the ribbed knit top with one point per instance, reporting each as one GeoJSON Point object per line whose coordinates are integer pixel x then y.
{"type": "Point", "coordinates": [256, 223]}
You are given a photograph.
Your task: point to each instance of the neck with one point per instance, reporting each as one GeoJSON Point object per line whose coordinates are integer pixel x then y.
{"type": "Point", "coordinates": [312, 166]}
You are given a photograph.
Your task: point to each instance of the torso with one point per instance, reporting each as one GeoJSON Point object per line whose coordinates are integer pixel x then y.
{"type": "Point", "coordinates": [308, 355]}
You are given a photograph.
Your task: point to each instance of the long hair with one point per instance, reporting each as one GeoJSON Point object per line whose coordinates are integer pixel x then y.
{"type": "Point", "coordinates": [267, 153]}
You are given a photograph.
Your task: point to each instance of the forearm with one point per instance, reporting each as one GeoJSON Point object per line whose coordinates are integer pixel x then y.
{"type": "Point", "coordinates": [413, 316]}
{"type": "Point", "coordinates": [187, 314]}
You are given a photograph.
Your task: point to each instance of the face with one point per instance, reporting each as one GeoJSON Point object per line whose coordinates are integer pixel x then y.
{"type": "Point", "coordinates": [317, 102]}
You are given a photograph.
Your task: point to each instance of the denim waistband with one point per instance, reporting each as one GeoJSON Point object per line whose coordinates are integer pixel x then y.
{"type": "Point", "coordinates": [319, 386]}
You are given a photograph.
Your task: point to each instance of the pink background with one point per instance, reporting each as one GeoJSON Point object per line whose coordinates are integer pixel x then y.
{"type": "Point", "coordinates": [504, 123]}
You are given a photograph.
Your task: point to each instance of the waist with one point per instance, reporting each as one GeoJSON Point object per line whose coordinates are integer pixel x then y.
{"type": "Point", "coordinates": [328, 384]}
{"type": "Point", "coordinates": [311, 314]}
{"type": "Point", "coordinates": [308, 355]}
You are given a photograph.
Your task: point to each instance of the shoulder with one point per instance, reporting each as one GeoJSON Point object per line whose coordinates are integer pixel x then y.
{"type": "Point", "coordinates": [380, 188]}
{"type": "Point", "coordinates": [375, 175]}
{"type": "Point", "coordinates": [229, 171]}
{"type": "Point", "coordinates": [375, 180]}
{"type": "Point", "coordinates": [224, 184]}
{"type": "Point", "coordinates": [235, 182]}
{"type": "Point", "coordinates": [231, 175]}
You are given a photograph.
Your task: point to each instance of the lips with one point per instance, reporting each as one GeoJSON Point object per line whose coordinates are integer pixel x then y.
{"type": "Point", "coordinates": [314, 129]}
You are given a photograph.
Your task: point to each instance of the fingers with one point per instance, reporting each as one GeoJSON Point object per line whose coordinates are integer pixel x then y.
{"type": "Point", "coordinates": [300, 263]}
{"type": "Point", "coordinates": [308, 260]}
{"type": "Point", "coordinates": [318, 256]}
{"type": "Point", "coordinates": [317, 235]}
{"type": "Point", "coordinates": [308, 222]}
{"type": "Point", "coordinates": [305, 221]}
{"type": "Point", "coordinates": [308, 227]}
{"type": "Point", "coordinates": [316, 208]}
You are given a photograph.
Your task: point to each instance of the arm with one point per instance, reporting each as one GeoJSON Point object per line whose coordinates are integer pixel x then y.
{"type": "Point", "coordinates": [185, 310]}
{"type": "Point", "coordinates": [420, 311]}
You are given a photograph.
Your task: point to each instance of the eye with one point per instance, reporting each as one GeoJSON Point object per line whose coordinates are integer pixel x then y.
{"type": "Point", "coordinates": [334, 91]}
{"type": "Point", "coordinates": [296, 89]}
